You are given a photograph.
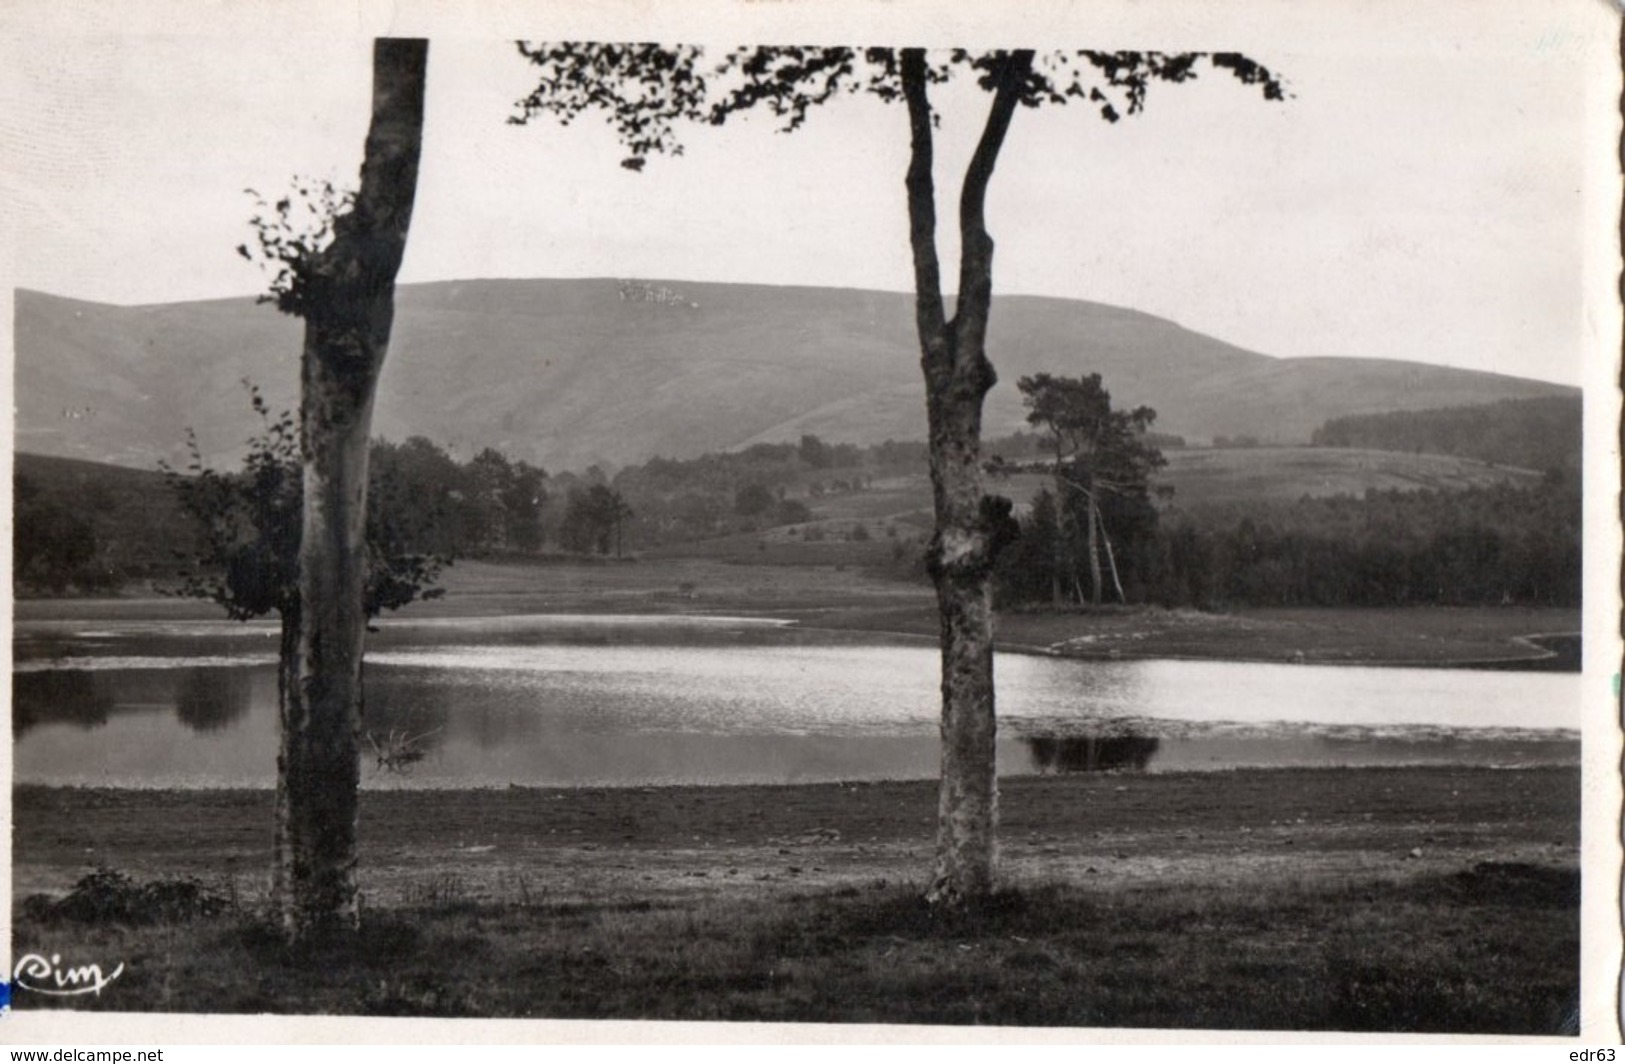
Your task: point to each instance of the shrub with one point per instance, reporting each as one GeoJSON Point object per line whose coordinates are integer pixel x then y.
{"type": "Point", "coordinates": [105, 896]}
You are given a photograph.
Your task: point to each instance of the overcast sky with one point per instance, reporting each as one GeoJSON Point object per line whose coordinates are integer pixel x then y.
{"type": "Point", "coordinates": [1423, 195]}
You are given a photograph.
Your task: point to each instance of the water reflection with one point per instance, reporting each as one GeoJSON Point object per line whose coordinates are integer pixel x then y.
{"type": "Point", "coordinates": [68, 697]}
{"type": "Point", "coordinates": [1105, 753]}
{"type": "Point", "coordinates": [211, 700]}
{"type": "Point", "coordinates": [204, 699]}
{"type": "Point", "coordinates": [547, 701]}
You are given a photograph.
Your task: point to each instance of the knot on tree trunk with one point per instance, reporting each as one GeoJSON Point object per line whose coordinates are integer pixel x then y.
{"type": "Point", "coordinates": [967, 376]}
{"type": "Point", "coordinates": [968, 554]}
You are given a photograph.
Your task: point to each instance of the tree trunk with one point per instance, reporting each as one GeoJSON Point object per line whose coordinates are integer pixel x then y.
{"type": "Point", "coordinates": [1057, 574]}
{"type": "Point", "coordinates": [1094, 550]}
{"type": "Point", "coordinates": [348, 310]}
{"type": "Point", "coordinates": [286, 685]}
{"type": "Point", "coordinates": [1111, 561]}
{"type": "Point", "coordinates": [969, 525]}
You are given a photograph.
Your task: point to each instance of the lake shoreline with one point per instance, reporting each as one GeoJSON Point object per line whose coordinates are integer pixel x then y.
{"type": "Point", "coordinates": [1549, 652]}
{"type": "Point", "coordinates": [1418, 637]}
{"type": "Point", "coordinates": [1497, 638]}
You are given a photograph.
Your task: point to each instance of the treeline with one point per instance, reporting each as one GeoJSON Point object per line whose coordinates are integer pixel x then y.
{"type": "Point", "coordinates": [488, 504]}
{"type": "Point", "coordinates": [1498, 545]}
{"type": "Point", "coordinates": [768, 485]}
{"type": "Point", "coordinates": [88, 528]}
{"type": "Point", "coordinates": [762, 486]}
{"type": "Point", "coordinates": [55, 545]}
{"type": "Point", "coordinates": [1538, 434]}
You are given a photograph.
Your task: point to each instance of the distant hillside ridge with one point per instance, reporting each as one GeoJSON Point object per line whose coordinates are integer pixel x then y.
{"type": "Point", "coordinates": [568, 373]}
{"type": "Point", "coordinates": [1544, 433]}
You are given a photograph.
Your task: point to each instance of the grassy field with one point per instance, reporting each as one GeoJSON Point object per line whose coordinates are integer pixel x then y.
{"type": "Point", "coordinates": [1422, 899]}
{"type": "Point", "coordinates": [1202, 475]}
{"type": "Point", "coordinates": [1287, 473]}
{"type": "Point", "coordinates": [896, 505]}
{"type": "Point", "coordinates": [848, 597]}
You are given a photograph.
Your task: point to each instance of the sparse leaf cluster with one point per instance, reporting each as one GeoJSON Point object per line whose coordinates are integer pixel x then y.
{"type": "Point", "coordinates": [249, 526]}
{"type": "Point", "coordinates": [248, 522]}
{"type": "Point", "coordinates": [646, 89]}
{"type": "Point", "coordinates": [290, 236]}
{"type": "Point", "coordinates": [791, 81]}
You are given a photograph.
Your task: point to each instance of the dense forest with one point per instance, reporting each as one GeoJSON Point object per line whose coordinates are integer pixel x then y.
{"type": "Point", "coordinates": [1494, 546]}
{"type": "Point", "coordinates": [1529, 433]}
{"type": "Point", "coordinates": [89, 528]}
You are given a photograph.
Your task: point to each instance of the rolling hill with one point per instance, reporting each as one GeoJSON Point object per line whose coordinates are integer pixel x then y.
{"type": "Point", "coordinates": [566, 373]}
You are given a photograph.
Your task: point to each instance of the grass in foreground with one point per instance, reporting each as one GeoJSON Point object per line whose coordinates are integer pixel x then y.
{"type": "Point", "coordinates": [1490, 950]}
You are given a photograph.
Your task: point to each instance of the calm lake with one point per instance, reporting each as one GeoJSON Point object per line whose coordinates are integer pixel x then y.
{"type": "Point", "coordinates": [617, 700]}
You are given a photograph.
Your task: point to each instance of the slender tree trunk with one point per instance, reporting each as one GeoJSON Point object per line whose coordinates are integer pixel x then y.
{"type": "Point", "coordinates": [286, 686]}
{"type": "Point", "coordinates": [349, 309]}
{"type": "Point", "coordinates": [1111, 560]}
{"type": "Point", "coordinates": [957, 377]}
{"type": "Point", "coordinates": [1057, 574]}
{"type": "Point", "coordinates": [1094, 550]}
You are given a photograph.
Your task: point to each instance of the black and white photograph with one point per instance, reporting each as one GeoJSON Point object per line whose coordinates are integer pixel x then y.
{"type": "Point", "coordinates": [883, 517]}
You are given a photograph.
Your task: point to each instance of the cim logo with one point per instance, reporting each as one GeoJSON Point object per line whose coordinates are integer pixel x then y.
{"type": "Point", "coordinates": [47, 976]}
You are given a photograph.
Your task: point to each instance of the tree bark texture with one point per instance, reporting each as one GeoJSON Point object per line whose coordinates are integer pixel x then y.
{"type": "Point", "coordinates": [958, 376]}
{"type": "Point", "coordinates": [348, 316]}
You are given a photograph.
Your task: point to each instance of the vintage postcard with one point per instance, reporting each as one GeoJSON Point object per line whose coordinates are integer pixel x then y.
{"type": "Point", "coordinates": [882, 519]}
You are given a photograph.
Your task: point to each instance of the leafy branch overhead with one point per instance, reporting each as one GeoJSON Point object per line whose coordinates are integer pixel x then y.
{"type": "Point", "coordinates": [647, 90]}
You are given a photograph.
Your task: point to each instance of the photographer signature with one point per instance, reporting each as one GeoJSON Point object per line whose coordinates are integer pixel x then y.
{"type": "Point", "coordinates": [48, 976]}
